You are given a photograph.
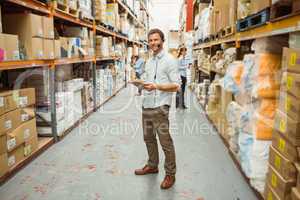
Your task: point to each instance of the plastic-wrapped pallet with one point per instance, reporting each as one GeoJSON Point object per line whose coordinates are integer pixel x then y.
{"type": "Point", "coordinates": [233, 119]}
{"type": "Point", "coordinates": [243, 8]}
{"type": "Point", "coordinates": [85, 7]}
{"type": "Point", "coordinates": [100, 10]}
{"type": "Point", "coordinates": [259, 164]}
{"type": "Point", "coordinates": [245, 152]}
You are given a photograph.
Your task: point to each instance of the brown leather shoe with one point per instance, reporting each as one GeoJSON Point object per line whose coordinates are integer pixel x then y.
{"type": "Point", "coordinates": [167, 182]}
{"type": "Point", "coordinates": [146, 170]}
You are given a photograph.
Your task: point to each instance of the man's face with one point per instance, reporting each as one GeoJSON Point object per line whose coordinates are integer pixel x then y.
{"type": "Point", "coordinates": [155, 43]}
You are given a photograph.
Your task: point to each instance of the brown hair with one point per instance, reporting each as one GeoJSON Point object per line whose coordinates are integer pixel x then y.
{"type": "Point", "coordinates": [180, 51]}
{"type": "Point", "coordinates": [156, 30]}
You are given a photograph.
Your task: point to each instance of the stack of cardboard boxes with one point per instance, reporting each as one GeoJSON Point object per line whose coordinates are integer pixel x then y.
{"type": "Point", "coordinates": [284, 153]}
{"type": "Point", "coordinates": [18, 135]}
{"type": "Point", "coordinates": [112, 15]}
{"type": "Point", "coordinates": [35, 33]}
{"type": "Point", "coordinates": [100, 10]}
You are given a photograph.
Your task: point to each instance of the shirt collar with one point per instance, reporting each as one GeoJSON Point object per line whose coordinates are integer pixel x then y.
{"type": "Point", "coordinates": [159, 55]}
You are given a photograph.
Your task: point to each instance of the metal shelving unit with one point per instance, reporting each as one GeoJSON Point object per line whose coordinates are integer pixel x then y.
{"type": "Point", "coordinates": [48, 9]}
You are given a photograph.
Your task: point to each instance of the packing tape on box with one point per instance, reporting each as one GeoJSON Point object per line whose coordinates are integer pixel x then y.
{"type": "Point", "coordinates": [274, 180]}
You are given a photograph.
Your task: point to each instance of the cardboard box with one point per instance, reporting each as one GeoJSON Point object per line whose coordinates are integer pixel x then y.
{"type": "Point", "coordinates": [26, 97]}
{"type": "Point", "coordinates": [290, 105]}
{"type": "Point", "coordinates": [282, 165]}
{"type": "Point", "coordinates": [297, 165]}
{"type": "Point", "coordinates": [10, 121]}
{"type": "Point", "coordinates": [290, 83]}
{"type": "Point", "coordinates": [270, 194]}
{"type": "Point", "coordinates": [48, 27]}
{"type": "Point", "coordinates": [280, 186]}
{"type": "Point", "coordinates": [20, 135]}
{"type": "Point", "coordinates": [26, 25]}
{"type": "Point", "coordinates": [259, 5]}
{"type": "Point", "coordinates": [9, 47]}
{"type": "Point", "coordinates": [48, 49]}
{"type": "Point", "coordinates": [282, 145]}
{"type": "Point", "coordinates": [287, 127]}
{"type": "Point", "coordinates": [3, 164]}
{"type": "Point", "coordinates": [33, 48]}
{"type": "Point", "coordinates": [57, 53]}
{"type": "Point", "coordinates": [16, 156]}
{"type": "Point", "coordinates": [295, 195]}
{"type": "Point", "coordinates": [7, 102]}
{"type": "Point", "coordinates": [291, 60]}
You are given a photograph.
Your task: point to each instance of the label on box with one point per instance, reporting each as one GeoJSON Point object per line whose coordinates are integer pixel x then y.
{"type": "Point", "coordinates": [288, 104]}
{"type": "Point", "coordinates": [2, 54]}
{"type": "Point", "coordinates": [11, 144]}
{"type": "Point", "coordinates": [270, 196]}
{"type": "Point", "coordinates": [1, 101]}
{"type": "Point", "coordinates": [27, 150]}
{"type": "Point", "coordinates": [282, 126]}
{"type": "Point", "coordinates": [289, 82]}
{"type": "Point", "coordinates": [8, 124]}
{"type": "Point", "coordinates": [277, 162]}
{"type": "Point", "coordinates": [274, 180]}
{"type": "Point", "coordinates": [11, 161]}
{"type": "Point", "coordinates": [16, 55]}
{"type": "Point", "coordinates": [24, 117]}
{"type": "Point", "coordinates": [293, 59]}
{"type": "Point", "coordinates": [281, 145]}
{"type": "Point", "coordinates": [23, 101]}
{"type": "Point", "coordinates": [26, 134]}
{"type": "Point", "coordinates": [40, 32]}
{"type": "Point", "coordinates": [40, 54]}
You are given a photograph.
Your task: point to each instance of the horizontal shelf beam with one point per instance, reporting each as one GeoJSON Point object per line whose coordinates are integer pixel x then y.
{"type": "Point", "coordinates": [284, 26]}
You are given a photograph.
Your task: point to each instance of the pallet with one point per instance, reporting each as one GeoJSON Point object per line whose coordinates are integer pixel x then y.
{"type": "Point", "coordinates": [84, 17]}
{"type": "Point", "coordinates": [284, 8]}
{"type": "Point", "coordinates": [64, 8]}
{"type": "Point", "coordinates": [254, 20]}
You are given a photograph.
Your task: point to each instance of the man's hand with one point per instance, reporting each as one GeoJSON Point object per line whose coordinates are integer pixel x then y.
{"type": "Point", "coordinates": [150, 86]}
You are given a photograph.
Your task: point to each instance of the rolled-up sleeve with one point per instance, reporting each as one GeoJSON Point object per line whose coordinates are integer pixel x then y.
{"type": "Point", "coordinates": [173, 72]}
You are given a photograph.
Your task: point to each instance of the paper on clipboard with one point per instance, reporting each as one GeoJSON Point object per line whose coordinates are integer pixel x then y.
{"type": "Point", "coordinates": [138, 83]}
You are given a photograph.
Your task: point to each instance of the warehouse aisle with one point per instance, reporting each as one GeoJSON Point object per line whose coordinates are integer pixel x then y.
{"type": "Point", "coordinates": [97, 161]}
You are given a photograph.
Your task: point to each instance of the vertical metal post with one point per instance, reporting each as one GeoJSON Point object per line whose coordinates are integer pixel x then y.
{"type": "Point", "coordinates": [94, 85]}
{"type": "Point", "coordinates": [53, 102]}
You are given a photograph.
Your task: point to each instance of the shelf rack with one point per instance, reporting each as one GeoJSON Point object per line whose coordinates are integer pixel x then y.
{"type": "Point", "coordinates": [48, 10]}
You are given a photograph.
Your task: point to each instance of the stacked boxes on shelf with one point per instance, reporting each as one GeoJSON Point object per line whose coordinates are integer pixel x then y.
{"type": "Point", "coordinates": [104, 47]}
{"type": "Point", "coordinates": [85, 9]}
{"type": "Point", "coordinates": [112, 15]}
{"type": "Point", "coordinates": [284, 155]}
{"type": "Point", "coordinates": [35, 33]}
{"type": "Point", "coordinates": [100, 10]}
{"type": "Point", "coordinates": [18, 135]}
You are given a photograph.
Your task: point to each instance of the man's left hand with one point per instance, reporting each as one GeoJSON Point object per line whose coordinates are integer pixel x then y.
{"type": "Point", "coordinates": [150, 86]}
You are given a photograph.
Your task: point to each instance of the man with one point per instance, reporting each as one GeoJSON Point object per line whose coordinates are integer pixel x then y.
{"type": "Point", "coordinates": [162, 79]}
{"type": "Point", "coordinates": [138, 65]}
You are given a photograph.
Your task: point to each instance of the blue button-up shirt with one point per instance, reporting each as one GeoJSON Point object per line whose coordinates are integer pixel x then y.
{"type": "Point", "coordinates": [160, 69]}
{"type": "Point", "coordinates": [183, 65]}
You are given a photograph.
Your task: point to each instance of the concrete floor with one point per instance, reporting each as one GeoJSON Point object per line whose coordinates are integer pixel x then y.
{"type": "Point", "coordinates": [96, 161]}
